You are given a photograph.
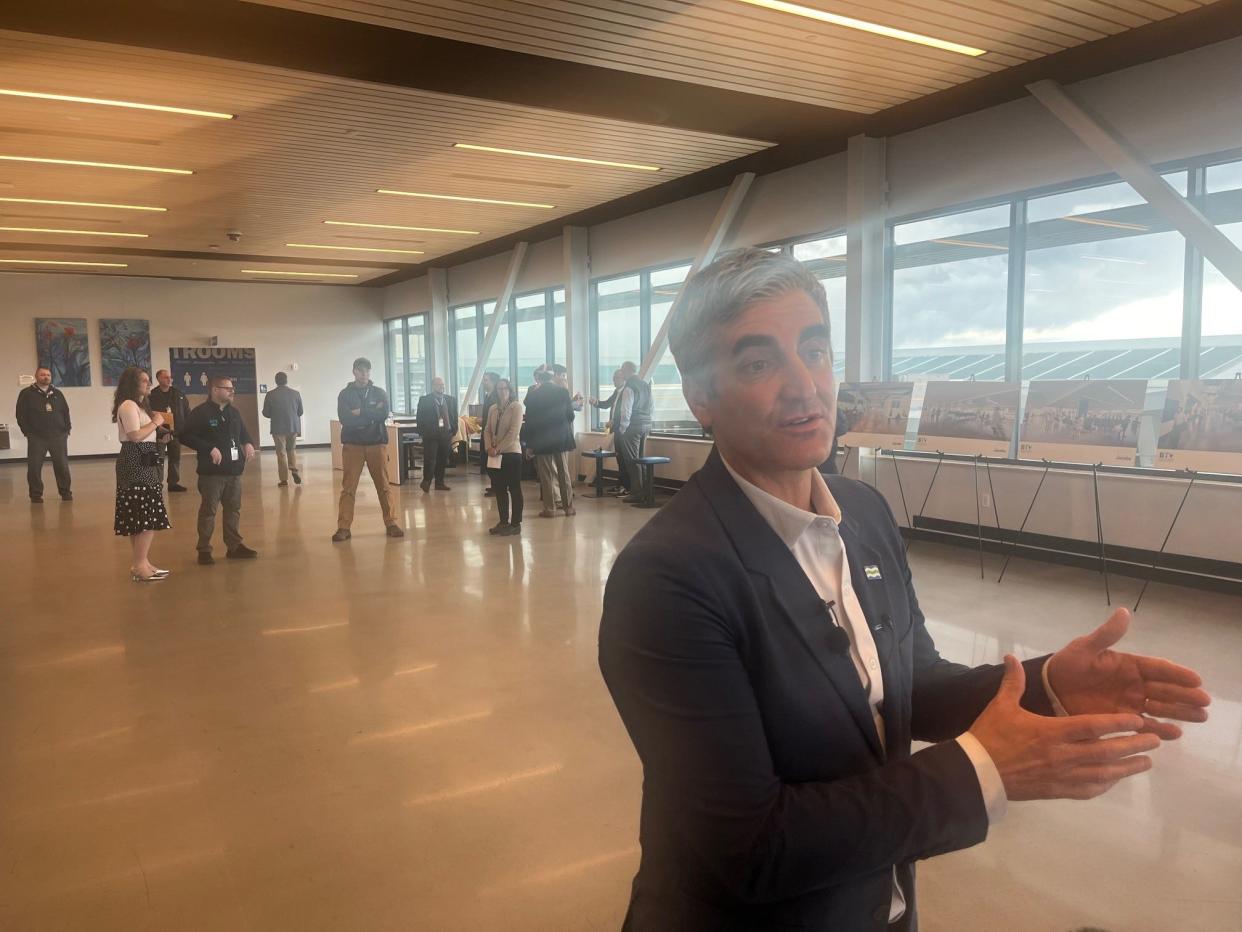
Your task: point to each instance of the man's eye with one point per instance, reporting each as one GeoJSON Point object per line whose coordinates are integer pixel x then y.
{"type": "Point", "coordinates": [756, 366]}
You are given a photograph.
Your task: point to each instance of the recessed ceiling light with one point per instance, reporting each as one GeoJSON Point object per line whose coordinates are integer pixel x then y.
{"type": "Point", "coordinates": [102, 102]}
{"type": "Point", "coordinates": [1115, 224]}
{"type": "Point", "coordinates": [72, 232]}
{"type": "Point", "coordinates": [32, 200]}
{"type": "Point", "coordinates": [407, 252]}
{"type": "Point", "coordinates": [471, 200]}
{"type": "Point", "coordinates": [390, 226]}
{"type": "Point", "coordinates": [132, 168]}
{"type": "Point", "coordinates": [848, 22]}
{"type": "Point", "coordinates": [557, 158]}
{"type": "Point", "coordinates": [299, 274]}
{"type": "Point", "coordinates": [102, 265]}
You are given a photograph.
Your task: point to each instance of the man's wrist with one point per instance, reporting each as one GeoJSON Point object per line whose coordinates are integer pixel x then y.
{"type": "Point", "coordinates": [991, 786]}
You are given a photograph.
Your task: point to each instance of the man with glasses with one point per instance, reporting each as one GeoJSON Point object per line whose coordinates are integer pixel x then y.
{"type": "Point", "coordinates": [216, 430]}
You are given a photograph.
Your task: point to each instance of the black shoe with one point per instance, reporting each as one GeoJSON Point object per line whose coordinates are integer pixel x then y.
{"type": "Point", "coordinates": [66, 496]}
{"type": "Point", "coordinates": [499, 528]}
{"type": "Point", "coordinates": [442, 488]}
{"type": "Point", "coordinates": [425, 486]}
{"type": "Point", "coordinates": [510, 531]}
{"type": "Point", "coordinates": [205, 558]}
{"type": "Point", "coordinates": [489, 492]}
{"type": "Point", "coordinates": [634, 499]}
{"type": "Point", "coordinates": [177, 488]}
{"type": "Point", "coordinates": [297, 478]}
{"type": "Point", "coordinates": [36, 499]}
{"type": "Point", "coordinates": [393, 531]}
{"type": "Point", "coordinates": [342, 533]}
{"type": "Point", "coordinates": [242, 552]}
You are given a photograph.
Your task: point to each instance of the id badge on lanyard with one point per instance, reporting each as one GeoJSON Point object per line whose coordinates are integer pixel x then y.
{"type": "Point", "coordinates": [234, 453]}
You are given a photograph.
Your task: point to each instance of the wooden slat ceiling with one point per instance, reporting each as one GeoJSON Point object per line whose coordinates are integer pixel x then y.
{"type": "Point", "coordinates": [737, 46]}
{"type": "Point", "coordinates": [303, 149]}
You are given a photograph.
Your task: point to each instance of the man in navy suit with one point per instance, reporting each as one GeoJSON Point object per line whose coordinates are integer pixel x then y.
{"type": "Point", "coordinates": [763, 644]}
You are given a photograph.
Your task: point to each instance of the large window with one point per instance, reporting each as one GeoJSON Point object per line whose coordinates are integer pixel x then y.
{"type": "Point", "coordinates": [406, 347]}
{"type": "Point", "coordinates": [533, 333]}
{"type": "Point", "coordinates": [1221, 352]}
{"type": "Point", "coordinates": [464, 324]}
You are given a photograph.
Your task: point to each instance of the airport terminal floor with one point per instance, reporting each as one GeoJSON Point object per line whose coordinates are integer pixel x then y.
{"type": "Point", "coordinates": [413, 734]}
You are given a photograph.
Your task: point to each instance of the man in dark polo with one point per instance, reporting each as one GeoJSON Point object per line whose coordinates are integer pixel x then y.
{"type": "Point", "coordinates": [168, 399]}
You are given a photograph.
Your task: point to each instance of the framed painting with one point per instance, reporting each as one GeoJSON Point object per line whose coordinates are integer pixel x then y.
{"type": "Point", "coordinates": [64, 348]}
{"type": "Point", "coordinates": [124, 343]}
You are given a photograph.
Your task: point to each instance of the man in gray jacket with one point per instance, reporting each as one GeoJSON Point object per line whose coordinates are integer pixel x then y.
{"type": "Point", "coordinates": [283, 406]}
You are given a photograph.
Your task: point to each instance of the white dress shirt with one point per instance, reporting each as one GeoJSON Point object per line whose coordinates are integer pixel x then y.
{"type": "Point", "coordinates": [814, 539]}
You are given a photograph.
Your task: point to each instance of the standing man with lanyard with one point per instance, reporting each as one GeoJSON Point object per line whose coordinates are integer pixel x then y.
{"type": "Point", "coordinates": [169, 400]}
{"type": "Point", "coordinates": [437, 425]}
{"type": "Point", "coordinates": [362, 408]}
{"type": "Point", "coordinates": [43, 416]}
{"type": "Point", "coordinates": [216, 430]}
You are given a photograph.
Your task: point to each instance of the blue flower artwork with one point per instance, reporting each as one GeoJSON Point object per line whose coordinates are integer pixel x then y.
{"type": "Point", "coordinates": [123, 343]}
{"type": "Point", "coordinates": [63, 347]}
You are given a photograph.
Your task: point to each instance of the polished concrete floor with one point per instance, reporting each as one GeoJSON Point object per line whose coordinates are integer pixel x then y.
{"type": "Point", "coordinates": [413, 735]}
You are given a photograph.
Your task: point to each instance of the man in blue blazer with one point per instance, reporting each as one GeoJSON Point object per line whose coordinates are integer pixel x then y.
{"type": "Point", "coordinates": [763, 643]}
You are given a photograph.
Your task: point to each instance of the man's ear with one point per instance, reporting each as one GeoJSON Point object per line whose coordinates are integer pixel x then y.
{"type": "Point", "coordinates": [699, 397]}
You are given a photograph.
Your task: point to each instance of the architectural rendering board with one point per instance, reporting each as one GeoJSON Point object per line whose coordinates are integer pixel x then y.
{"type": "Point", "coordinates": [1083, 421]}
{"type": "Point", "coordinates": [875, 413]}
{"type": "Point", "coordinates": [975, 418]}
{"type": "Point", "coordinates": [1202, 426]}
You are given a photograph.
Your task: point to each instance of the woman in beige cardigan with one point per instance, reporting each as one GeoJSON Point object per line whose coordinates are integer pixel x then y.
{"type": "Point", "coordinates": [504, 450]}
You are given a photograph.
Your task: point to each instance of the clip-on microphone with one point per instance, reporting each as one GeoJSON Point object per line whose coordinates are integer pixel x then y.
{"type": "Point", "coordinates": [838, 640]}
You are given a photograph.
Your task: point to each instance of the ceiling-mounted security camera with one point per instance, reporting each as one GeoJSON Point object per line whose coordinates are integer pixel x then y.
{"type": "Point", "coordinates": [234, 236]}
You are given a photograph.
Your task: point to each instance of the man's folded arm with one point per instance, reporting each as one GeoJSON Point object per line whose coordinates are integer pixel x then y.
{"type": "Point", "coordinates": [671, 655]}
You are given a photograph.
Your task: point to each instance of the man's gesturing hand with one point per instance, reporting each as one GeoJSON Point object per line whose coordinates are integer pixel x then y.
{"type": "Point", "coordinates": [1058, 758]}
{"type": "Point", "coordinates": [1088, 677]}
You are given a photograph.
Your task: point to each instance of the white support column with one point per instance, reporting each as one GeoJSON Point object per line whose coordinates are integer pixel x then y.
{"type": "Point", "coordinates": [498, 318]}
{"type": "Point", "coordinates": [577, 275]}
{"type": "Point", "coordinates": [721, 226]}
{"type": "Point", "coordinates": [1120, 155]}
{"type": "Point", "coordinates": [865, 207]}
{"type": "Point", "coordinates": [437, 281]}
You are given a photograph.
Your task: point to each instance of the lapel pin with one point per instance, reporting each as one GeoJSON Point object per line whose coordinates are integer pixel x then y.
{"type": "Point", "coordinates": [873, 572]}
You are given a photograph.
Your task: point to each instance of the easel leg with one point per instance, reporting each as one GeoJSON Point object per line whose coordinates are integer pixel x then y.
{"type": "Point", "coordinates": [1099, 533]}
{"type": "Point", "coordinates": [930, 486]}
{"type": "Point", "coordinates": [900, 489]}
{"type": "Point", "coordinates": [845, 463]}
{"type": "Point", "coordinates": [1016, 536]}
{"type": "Point", "coordinates": [1165, 543]}
{"type": "Point", "coordinates": [978, 517]}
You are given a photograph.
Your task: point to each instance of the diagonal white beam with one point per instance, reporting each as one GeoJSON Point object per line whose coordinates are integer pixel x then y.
{"type": "Point", "coordinates": [1121, 156]}
{"type": "Point", "coordinates": [716, 235]}
{"type": "Point", "coordinates": [498, 318]}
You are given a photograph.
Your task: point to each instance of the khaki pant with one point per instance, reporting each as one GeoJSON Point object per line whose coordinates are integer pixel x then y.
{"type": "Point", "coordinates": [553, 470]}
{"type": "Point", "coordinates": [375, 458]}
{"type": "Point", "coordinates": [286, 455]}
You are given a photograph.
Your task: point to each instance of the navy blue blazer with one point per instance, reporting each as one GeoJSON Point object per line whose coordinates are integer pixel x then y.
{"type": "Point", "coordinates": [768, 799]}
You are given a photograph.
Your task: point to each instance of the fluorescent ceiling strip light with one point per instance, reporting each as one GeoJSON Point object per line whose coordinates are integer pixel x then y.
{"type": "Point", "coordinates": [971, 243]}
{"type": "Point", "coordinates": [132, 168]}
{"type": "Point", "coordinates": [298, 274]}
{"type": "Point", "coordinates": [72, 232]}
{"type": "Point", "coordinates": [469, 200]}
{"type": "Point", "coordinates": [392, 226]}
{"type": "Point", "coordinates": [407, 252]}
{"type": "Point", "coordinates": [104, 102]}
{"type": "Point", "coordinates": [848, 22]}
{"type": "Point", "coordinates": [557, 158]}
{"type": "Point", "coordinates": [33, 200]}
{"type": "Point", "coordinates": [102, 265]}
{"type": "Point", "coordinates": [1115, 224]}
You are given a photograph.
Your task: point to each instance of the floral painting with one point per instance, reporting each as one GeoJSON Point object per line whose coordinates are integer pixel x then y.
{"type": "Point", "coordinates": [123, 343]}
{"type": "Point", "coordinates": [63, 347]}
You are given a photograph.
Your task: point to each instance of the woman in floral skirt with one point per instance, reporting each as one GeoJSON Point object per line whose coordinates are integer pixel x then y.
{"type": "Point", "coordinates": [140, 510]}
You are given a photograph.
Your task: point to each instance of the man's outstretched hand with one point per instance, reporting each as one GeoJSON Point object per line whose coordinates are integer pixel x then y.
{"type": "Point", "coordinates": [1089, 678]}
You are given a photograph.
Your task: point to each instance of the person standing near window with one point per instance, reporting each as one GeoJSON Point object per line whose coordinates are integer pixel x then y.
{"type": "Point", "coordinates": [168, 400]}
{"type": "Point", "coordinates": [501, 442]}
{"type": "Point", "coordinates": [140, 510]}
{"type": "Point", "coordinates": [550, 436]}
{"type": "Point", "coordinates": [437, 425]}
{"type": "Point", "coordinates": [489, 398]}
{"type": "Point", "coordinates": [43, 417]}
{"type": "Point", "coordinates": [618, 414]}
{"type": "Point", "coordinates": [283, 407]}
{"type": "Point", "coordinates": [216, 430]}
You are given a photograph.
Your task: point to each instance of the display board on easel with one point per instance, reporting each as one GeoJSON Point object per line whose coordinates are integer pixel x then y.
{"type": "Point", "coordinates": [875, 413]}
{"type": "Point", "coordinates": [1083, 421]}
{"type": "Point", "coordinates": [1202, 426]}
{"type": "Point", "coordinates": [972, 418]}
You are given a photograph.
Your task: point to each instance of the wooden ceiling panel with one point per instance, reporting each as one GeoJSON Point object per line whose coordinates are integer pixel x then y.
{"type": "Point", "coordinates": [302, 149]}
{"type": "Point", "coordinates": [734, 45]}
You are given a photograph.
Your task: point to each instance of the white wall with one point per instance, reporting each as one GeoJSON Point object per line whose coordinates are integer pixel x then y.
{"type": "Point", "coordinates": [321, 328]}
